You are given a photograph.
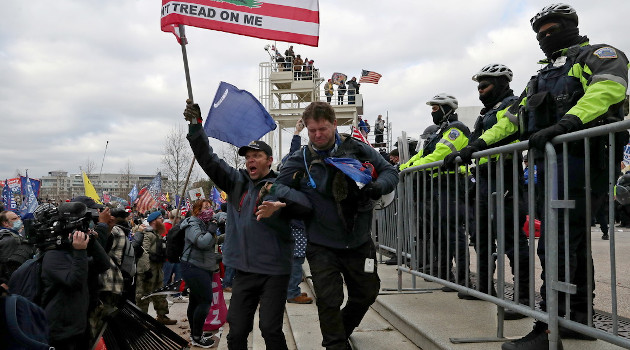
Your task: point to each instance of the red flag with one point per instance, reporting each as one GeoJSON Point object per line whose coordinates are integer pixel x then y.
{"type": "Point", "coordinates": [369, 77]}
{"type": "Point", "coordinates": [289, 21]}
{"type": "Point", "coordinates": [358, 135]}
{"type": "Point", "coordinates": [173, 28]}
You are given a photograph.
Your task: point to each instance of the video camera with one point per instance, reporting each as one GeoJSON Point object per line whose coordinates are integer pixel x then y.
{"type": "Point", "coordinates": [52, 225]}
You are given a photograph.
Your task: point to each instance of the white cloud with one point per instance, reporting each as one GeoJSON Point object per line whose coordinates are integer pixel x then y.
{"type": "Point", "coordinates": [77, 74]}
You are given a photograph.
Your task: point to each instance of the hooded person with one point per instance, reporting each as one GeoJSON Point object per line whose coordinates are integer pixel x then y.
{"type": "Point", "coordinates": [582, 85]}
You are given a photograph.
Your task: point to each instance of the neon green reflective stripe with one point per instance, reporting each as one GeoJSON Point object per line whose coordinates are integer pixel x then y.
{"type": "Point", "coordinates": [503, 128]}
{"type": "Point", "coordinates": [597, 99]}
{"type": "Point", "coordinates": [442, 149]}
{"type": "Point", "coordinates": [449, 144]}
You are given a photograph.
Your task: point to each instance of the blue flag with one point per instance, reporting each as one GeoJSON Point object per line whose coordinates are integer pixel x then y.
{"type": "Point", "coordinates": [352, 168]}
{"type": "Point", "coordinates": [35, 185]}
{"type": "Point", "coordinates": [216, 196]}
{"type": "Point", "coordinates": [7, 198]}
{"type": "Point", "coordinates": [133, 194]}
{"type": "Point", "coordinates": [29, 204]}
{"type": "Point", "coordinates": [237, 117]}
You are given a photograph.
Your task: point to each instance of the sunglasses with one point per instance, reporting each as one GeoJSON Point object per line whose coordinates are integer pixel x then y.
{"type": "Point", "coordinates": [483, 85]}
{"type": "Point", "coordinates": [549, 31]}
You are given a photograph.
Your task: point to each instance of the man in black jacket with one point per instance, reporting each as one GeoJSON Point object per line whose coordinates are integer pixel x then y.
{"type": "Point", "coordinates": [338, 228]}
{"type": "Point", "coordinates": [65, 292]}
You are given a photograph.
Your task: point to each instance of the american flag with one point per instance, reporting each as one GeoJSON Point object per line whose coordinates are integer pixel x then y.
{"type": "Point", "coordinates": [358, 135]}
{"type": "Point", "coordinates": [147, 196]}
{"type": "Point", "coordinates": [369, 77]}
{"type": "Point", "coordinates": [186, 207]}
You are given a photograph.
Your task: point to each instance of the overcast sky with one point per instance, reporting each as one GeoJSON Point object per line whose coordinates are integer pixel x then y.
{"type": "Point", "coordinates": [76, 74]}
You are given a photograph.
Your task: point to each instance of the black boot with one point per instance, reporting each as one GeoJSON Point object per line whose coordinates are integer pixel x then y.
{"type": "Point", "coordinates": [537, 339]}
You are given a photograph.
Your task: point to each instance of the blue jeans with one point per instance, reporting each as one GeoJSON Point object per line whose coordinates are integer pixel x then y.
{"type": "Point", "coordinates": [296, 278]}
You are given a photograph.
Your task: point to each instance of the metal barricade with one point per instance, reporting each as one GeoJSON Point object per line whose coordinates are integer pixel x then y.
{"type": "Point", "coordinates": [437, 208]}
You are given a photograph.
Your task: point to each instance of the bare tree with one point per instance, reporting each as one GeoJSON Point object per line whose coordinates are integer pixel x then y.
{"type": "Point", "coordinates": [229, 153]}
{"type": "Point", "coordinates": [88, 167]}
{"type": "Point", "coordinates": [176, 160]}
{"type": "Point", "coordinates": [125, 184]}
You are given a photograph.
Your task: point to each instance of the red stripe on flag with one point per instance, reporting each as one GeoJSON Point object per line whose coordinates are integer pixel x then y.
{"type": "Point", "coordinates": [246, 30]}
{"type": "Point", "coordinates": [359, 136]}
{"type": "Point", "coordinates": [272, 10]}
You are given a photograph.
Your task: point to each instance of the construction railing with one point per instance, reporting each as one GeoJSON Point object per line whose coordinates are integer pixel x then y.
{"type": "Point", "coordinates": [439, 212]}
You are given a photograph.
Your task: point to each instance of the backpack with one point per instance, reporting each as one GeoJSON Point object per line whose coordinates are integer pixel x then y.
{"type": "Point", "coordinates": [175, 243]}
{"type": "Point", "coordinates": [127, 265]}
{"type": "Point", "coordinates": [23, 324]}
{"type": "Point", "coordinates": [27, 280]}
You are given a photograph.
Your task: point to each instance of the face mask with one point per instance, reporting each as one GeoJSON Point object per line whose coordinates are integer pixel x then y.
{"type": "Point", "coordinates": [559, 40]}
{"type": "Point", "coordinates": [438, 116]}
{"type": "Point", "coordinates": [206, 215]}
{"type": "Point", "coordinates": [17, 225]}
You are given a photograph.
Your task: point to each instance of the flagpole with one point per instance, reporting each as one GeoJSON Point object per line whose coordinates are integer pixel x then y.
{"type": "Point", "coordinates": [100, 175]}
{"type": "Point", "coordinates": [183, 41]}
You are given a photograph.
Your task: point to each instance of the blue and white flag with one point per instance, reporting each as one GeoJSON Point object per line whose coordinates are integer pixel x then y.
{"type": "Point", "coordinates": [237, 117]}
{"type": "Point", "coordinates": [352, 168]}
{"type": "Point", "coordinates": [7, 198]}
{"type": "Point", "coordinates": [133, 194]}
{"type": "Point", "coordinates": [29, 204]}
{"type": "Point", "coordinates": [35, 185]}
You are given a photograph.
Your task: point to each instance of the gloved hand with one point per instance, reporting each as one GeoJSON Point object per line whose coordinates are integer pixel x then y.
{"type": "Point", "coordinates": [403, 166]}
{"type": "Point", "coordinates": [148, 274]}
{"type": "Point", "coordinates": [567, 124]}
{"type": "Point", "coordinates": [373, 190]}
{"type": "Point", "coordinates": [449, 160]}
{"type": "Point", "coordinates": [192, 113]}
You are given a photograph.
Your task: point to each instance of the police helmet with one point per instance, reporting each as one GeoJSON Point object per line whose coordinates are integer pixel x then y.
{"type": "Point", "coordinates": [559, 10]}
{"type": "Point", "coordinates": [494, 70]}
{"type": "Point", "coordinates": [623, 195]}
{"type": "Point", "coordinates": [430, 130]}
{"type": "Point", "coordinates": [443, 99]}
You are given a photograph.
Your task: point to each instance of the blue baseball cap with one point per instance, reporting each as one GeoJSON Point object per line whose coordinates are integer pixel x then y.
{"type": "Point", "coordinates": [153, 216]}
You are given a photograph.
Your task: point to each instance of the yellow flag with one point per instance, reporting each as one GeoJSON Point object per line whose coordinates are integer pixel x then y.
{"type": "Point", "coordinates": [89, 189]}
{"type": "Point", "coordinates": [168, 199]}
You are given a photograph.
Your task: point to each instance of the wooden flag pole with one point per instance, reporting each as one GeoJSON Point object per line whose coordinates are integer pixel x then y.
{"type": "Point", "coordinates": [190, 96]}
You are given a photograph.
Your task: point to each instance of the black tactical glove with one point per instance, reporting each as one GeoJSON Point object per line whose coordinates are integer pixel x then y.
{"type": "Point", "coordinates": [449, 160]}
{"type": "Point", "coordinates": [192, 113]}
{"type": "Point", "coordinates": [373, 190]}
{"type": "Point", "coordinates": [148, 274]}
{"type": "Point", "coordinates": [567, 124]}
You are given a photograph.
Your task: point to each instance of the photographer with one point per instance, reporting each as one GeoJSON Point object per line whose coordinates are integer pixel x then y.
{"type": "Point", "coordinates": [149, 274]}
{"type": "Point", "coordinates": [65, 291]}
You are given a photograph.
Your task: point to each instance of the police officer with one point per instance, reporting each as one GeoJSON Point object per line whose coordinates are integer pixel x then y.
{"type": "Point", "coordinates": [493, 128]}
{"type": "Point", "coordinates": [451, 137]}
{"type": "Point", "coordinates": [581, 86]}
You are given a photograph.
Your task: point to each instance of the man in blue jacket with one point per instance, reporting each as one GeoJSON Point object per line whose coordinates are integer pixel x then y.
{"type": "Point", "coordinates": [260, 251]}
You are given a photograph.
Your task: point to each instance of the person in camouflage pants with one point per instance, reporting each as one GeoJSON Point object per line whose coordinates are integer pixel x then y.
{"type": "Point", "coordinates": [149, 275]}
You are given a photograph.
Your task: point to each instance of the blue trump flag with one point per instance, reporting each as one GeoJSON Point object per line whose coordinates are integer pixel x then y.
{"type": "Point", "coordinates": [237, 117]}
{"type": "Point", "coordinates": [35, 185]}
{"type": "Point", "coordinates": [133, 194]}
{"type": "Point", "coordinates": [352, 168]}
{"type": "Point", "coordinates": [29, 204]}
{"type": "Point", "coordinates": [7, 198]}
